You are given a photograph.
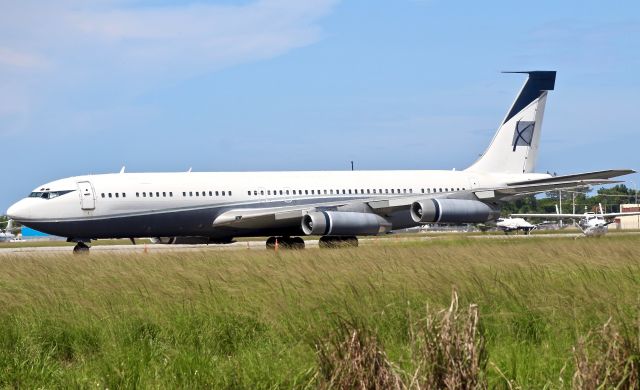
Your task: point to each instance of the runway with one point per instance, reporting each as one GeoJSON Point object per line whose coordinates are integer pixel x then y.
{"type": "Point", "coordinates": [260, 244]}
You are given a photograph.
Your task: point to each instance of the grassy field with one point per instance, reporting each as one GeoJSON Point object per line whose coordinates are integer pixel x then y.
{"type": "Point", "coordinates": [255, 319]}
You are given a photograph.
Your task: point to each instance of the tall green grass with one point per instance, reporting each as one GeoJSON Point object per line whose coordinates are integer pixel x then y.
{"type": "Point", "coordinates": [251, 319]}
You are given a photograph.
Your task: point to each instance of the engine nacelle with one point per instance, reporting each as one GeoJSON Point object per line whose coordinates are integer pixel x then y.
{"type": "Point", "coordinates": [452, 211]}
{"type": "Point", "coordinates": [344, 223]}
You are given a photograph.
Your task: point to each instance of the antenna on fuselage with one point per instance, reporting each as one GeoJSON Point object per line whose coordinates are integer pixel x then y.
{"type": "Point", "coordinates": [122, 169]}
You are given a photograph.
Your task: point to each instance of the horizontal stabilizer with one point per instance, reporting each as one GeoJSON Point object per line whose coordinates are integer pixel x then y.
{"type": "Point", "coordinates": [595, 175]}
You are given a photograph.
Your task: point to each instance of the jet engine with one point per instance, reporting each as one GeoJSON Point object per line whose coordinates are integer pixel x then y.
{"type": "Point", "coordinates": [452, 211]}
{"type": "Point", "coordinates": [344, 223]}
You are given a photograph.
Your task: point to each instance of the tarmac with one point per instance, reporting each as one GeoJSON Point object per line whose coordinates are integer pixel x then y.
{"type": "Point", "coordinates": [260, 244]}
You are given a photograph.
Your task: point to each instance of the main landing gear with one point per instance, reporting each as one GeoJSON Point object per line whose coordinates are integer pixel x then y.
{"type": "Point", "coordinates": [324, 242]}
{"type": "Point", "coordinates": [81, 248]}
{"type": "Point", "coordinates": [285, 242]}
{"type": "Point", "coordinates": [338, 241]}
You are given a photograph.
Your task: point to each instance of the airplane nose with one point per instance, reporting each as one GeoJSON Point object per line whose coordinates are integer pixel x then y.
{"type": "Point", "coordinates": [19, 211]}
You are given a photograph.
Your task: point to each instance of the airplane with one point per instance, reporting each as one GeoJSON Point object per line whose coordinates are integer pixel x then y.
{"type": "Point", "coordinates": [514, 224]}
{"type": "Point", "coordinates": [7, 233]}
{"type": "Point", "coordinates": [591, 224]}
{"type": "Point", "coordinates": [338, 206]}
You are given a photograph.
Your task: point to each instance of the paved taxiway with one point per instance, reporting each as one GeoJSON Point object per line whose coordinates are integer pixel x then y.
{"type": "Point", "coordinates": [259, 244]}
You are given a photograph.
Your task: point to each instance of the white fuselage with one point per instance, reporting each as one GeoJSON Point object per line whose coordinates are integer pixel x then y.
{"type": "Point", "coordinates": [592, 225]}
{"type": "Point", "coordinates": [511, 224]}
{"type": "Point", "coordinates": [187, 202]}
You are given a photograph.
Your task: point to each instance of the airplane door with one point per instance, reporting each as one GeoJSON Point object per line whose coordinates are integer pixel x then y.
{"type": "Point", "coordinates": [87, 196]}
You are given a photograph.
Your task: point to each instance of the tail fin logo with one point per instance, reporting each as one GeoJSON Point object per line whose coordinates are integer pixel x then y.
{"type": "Point", "coordinates": [523, 135]}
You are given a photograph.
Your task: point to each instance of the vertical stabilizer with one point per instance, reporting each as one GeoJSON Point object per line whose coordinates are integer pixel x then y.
{"type": "Point", "coordinates": [514, 148]}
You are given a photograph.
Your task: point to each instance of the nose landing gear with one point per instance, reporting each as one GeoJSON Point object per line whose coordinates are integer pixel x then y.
{"type": "Point", "coordinates": [82, 245]}
{"type": "Point", "coordinates": [81, 248]}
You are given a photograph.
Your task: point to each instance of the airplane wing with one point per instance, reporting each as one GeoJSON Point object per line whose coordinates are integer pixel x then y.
{"type": "Point", "coordinates": [606, 216]}
{"type": "Point", "coordinates": [252, 218]}
{"type": "Point", "coordinates": [550, 215]}
{"type": "Point", "coordinates": [519, 189]}
{"type": "Point", "coordinates": [616, 215]}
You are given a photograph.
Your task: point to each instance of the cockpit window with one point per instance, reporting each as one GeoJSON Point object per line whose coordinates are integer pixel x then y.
{"type": "Point", "coordinates": [48, 194]}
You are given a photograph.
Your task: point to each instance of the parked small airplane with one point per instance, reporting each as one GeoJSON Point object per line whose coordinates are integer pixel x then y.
{"type": "Point", "coordinates": [337, 206]}
{"type": "Point", "coordinates": [7, 233]}
{"type": "Point", "coordinates": [592, 224]}
{"type": "Point", "coordinates": [510, 224]}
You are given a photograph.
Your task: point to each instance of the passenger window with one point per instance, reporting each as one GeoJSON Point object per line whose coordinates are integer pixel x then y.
{"type": "Point", "coordinates": [294, 192]}
{"type": "Point", "coordinates": [249, 193]}
{"type": "Point", "coordinates": [117, 195]}
{"type": "Point", "coordinates": [268, 192]}
{"type": "Point", "coordinates": [158, 194]}
{"type": "Point", "coordinates": [197, 193]}
{"type": "Point", "coordinates": [150, 194]}
{"type": "Point", "coordinates": [218, 194]}
{"type": "Point", "coordinates": [103, 194]}
{"type": "Point", "coordinates": [109, 194]}
{"type": "Point", "coordinates": [190, 193]}
{"type": "Point", "coordinates": [422, 190]}
{"type": "Point", "coordinates": [222, 193]}
{"type": "Point", "coordinates": [262, 192]}
{"type": "Point", "coordinates": [306, 192]}
{"type": "Point", "coordinates": [171, 194]}
{"type": "Point", "coordinates": [124, 195]}
{"type": "Point", "coordinates": [229, 193]}
{"type": "Point", "coordinates": [164, 194]}
{"type": "Point", "coordinates": [280, 192]}
{"type": "Point", "coordinates": [137, 195]}
{"type": "Point", "coordinates": [184, 194]}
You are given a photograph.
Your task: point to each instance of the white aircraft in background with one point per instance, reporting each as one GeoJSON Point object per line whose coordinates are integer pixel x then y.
{"type": "Point", "coordinates": [514, 224]}
{"type": "Point", "coordinates": [335, 205]}
{"type": "Point", "coordinates": [592, 224]}
{"type": "Point", "coordinates": [7, 233]}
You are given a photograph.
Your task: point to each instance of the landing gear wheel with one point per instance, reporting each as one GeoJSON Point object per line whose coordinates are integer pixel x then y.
{"type": "Point", "coordinates": [285, 242]}
{"type": "Point", "coordinates": [338, 242]}
{"type": "Point", "coordinates": [297, 243]}
{"type": "Point", "coordinates": [80, 249]}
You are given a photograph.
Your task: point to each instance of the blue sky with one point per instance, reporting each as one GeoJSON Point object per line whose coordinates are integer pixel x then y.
{"type": "Point", "coordinates": [87, 87]}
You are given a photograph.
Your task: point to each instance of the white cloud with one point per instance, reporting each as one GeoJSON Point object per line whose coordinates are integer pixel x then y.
{"type": "Point", "coordinates": [17, 59]}
{"type": "Point", "coordinates": [57, 47]}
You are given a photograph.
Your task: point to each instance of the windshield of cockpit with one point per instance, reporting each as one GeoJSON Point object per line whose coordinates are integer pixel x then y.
{"type": "Point", "coordinates": [46, 194]}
